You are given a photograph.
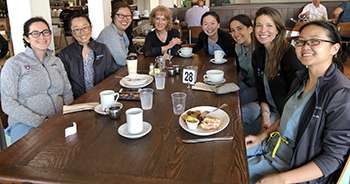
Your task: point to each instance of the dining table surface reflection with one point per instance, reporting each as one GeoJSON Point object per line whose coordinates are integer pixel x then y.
{"type": "Point", "coordinates": [98, 154]}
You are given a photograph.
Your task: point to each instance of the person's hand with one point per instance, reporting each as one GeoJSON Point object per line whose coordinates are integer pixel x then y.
{"type": "Point", "coordinates": [175, 41]}
{"type": "Point", "coordinates": [271, 179]}
{"type": "Point", "coordinates": [265, 121]}
{"type": "Point", "coordinates": [252, 140]}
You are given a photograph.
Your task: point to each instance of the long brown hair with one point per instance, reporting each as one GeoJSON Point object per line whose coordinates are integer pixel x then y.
{"type": "Point", "coordinates": [279, 44]}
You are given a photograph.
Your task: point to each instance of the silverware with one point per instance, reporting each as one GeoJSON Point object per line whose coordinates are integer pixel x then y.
{"type": "Point", "coordinates": [205, 113]}
{"type": "Point", "coordinates": [189, 141]}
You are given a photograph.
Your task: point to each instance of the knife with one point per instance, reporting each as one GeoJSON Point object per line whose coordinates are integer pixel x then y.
{"type": "Point", "coordinates": [191, 141]}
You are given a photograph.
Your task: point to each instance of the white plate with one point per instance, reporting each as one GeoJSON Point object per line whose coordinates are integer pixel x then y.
{"type": "Point", "coordinates": [98, 109]}
{"type": "Point", "coordinates": [214, 83]}
{"type": "Point", "coordinates": [126, 83]}
{"type": "Point", "coordinates": [122, 130]}
{"type": "Point", "coordinates": [218, 62]}
{"type": "Point", "coordinates": [186, 56]}
{"type": "Point", "coordinates": [134, 80]}
{"type": "Point", "coordinates": [222, 115]}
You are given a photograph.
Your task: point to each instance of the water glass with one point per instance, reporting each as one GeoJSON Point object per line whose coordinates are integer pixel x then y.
{"type": "Point", "coordinates": [179, 102]}
{"type": "Point", "coordinates": [146, 95]}
{"type": "Point", "coordinates": [160, 80]}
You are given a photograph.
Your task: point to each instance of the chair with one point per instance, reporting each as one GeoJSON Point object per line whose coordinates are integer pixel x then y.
{"type": "Point", "coordinates": [345, 174]}
{"type": "Point", "coordinates": [193, 33]}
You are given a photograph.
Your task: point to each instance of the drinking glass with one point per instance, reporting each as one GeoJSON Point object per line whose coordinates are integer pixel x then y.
{"type": "Point", "coordinates": [146, 96]}
{"type": "Point", "coordinates": [179, 102]}
{"type": "Point", "coordinates": [160, 80]}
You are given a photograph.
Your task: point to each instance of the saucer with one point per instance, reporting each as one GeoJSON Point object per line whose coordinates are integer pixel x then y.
{"type": "Point", "coordinates": [186, 56]}
{"type": "Point", "coordinates": [214, 83]}
{"type": "Point", "coordinates": [98, 109]}
{"type": "Point", "coordinates": [122, 130]}
{"type": "Point", "coordinates": [218, 62]}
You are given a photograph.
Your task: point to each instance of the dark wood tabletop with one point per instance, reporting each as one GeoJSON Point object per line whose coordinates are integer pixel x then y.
{"type": "Point", "coordinates": [98, 154]}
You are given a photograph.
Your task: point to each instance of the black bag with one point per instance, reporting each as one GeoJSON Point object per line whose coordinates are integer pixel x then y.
{"type": "Point", "coordinates": [4, 48]}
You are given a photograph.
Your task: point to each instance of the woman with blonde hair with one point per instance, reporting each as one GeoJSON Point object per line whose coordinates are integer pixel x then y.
{"type": "Point", "coordinates": [163, 37]}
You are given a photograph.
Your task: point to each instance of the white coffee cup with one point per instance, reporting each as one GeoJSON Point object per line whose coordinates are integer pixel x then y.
{"type": "Point", "coordinates": [214, 75]}
{"type": "Point", "coordinates": [134, 120]}
{"type": "Point", "coordinates": [145, 13]}
{"type": "Point", "coordinates": [136, 14]}
{"type": "Point", "coordinates": [108, 98]}
{"type": "Point", "coordinates": [219, 55]}
{"type": "Point", "coordinates": [132, 66]}
{"type": "Point", "coordinates": [185, 51]}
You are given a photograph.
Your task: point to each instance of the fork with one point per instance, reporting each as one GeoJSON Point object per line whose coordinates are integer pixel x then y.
{"type": "Point", "coordinates": [205, 113]}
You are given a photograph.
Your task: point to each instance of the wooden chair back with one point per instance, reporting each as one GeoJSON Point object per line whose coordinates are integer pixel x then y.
{"type": "Point", "coordinates": [193, 33]}
{"type": "Point", "coordinates": [345, 174]}
{"type": "Point", "coordinates": [344, 29]}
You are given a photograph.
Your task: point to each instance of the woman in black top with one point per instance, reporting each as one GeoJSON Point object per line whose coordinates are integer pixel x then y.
{"type": "Point", "coordinates": [163, 37]}
{"type": "Point", "coordinates": [212, 37]}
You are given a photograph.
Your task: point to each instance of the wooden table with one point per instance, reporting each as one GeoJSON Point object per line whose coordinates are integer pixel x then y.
{"type": "Point", "coordinates": [97, 154]}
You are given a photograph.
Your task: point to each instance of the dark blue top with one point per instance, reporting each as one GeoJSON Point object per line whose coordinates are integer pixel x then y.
{"type": "Point", "coordinates": [345, 16]}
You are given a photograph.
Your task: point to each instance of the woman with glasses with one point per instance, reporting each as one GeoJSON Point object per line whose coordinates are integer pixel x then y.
{"type": "Point", "coordinates": [212, 37]}
{"type": "Point", "coordinates": [114, 36]}
{"type": "Point", "coordinates": [34, 83]}
{"type": "Point", "coordinates": [163, 38]}
{"type": "Point", "coordinates": [275, 64]}
{"type": "Point", "coordinates": [87, 62]}
{"type": "Point", "coordinates": [313, 138]}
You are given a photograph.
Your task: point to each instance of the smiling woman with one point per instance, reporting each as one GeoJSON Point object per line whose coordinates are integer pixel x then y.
{"type": "Point", "coordinates": [86, 61]}
{"type": "Point", "coordinates": [34, 83]}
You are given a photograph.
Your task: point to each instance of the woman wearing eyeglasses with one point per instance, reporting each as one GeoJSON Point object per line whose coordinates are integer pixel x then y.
{"type": "Point", "coordinates": [163, 38]}
{"type": "Point", "coordinates": [34, 83]}
{"type": "Point", "coordinates": [275, 63]}
{"type": "Point", "coordinates": [114, 36]}
{"type": "Point", "coordinates": [87, 62]}
{"type": "Point", "coordinates": [313, 140]}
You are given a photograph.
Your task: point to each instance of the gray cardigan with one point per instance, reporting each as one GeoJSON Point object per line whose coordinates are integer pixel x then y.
{"type": "Point", "coordinates": [32, 90]}
{"type": "Point", "coordinates": [117, 42]}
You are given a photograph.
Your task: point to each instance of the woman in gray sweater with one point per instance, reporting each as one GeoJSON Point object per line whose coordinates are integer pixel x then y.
{"type": "Point", "coordinates": [34, 83]}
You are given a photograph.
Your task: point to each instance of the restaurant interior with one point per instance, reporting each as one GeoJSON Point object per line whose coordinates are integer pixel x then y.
{"type": "Point", "coordinates": [47, 156]}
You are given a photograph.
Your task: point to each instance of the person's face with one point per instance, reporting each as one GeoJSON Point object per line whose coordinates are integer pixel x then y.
{"type": "Point", "coordinates": [39, 36]}
{"type": "Point", "coordinates": [265, 30]}
{"type": "Point", "coordinates": [81, 30]}
{"type": "Point", "coordinates": [240, 33]}
{"type": "Point", "coordinates": [160, 21]}
{"type": "Point", "coordinates": [123, 18]}
{"type": "Point", "coordinates": [313, 47]}
{"type": "Point", "coordinates": [210, 26]}
{"type": "Point", "coordinates": [316, 2]}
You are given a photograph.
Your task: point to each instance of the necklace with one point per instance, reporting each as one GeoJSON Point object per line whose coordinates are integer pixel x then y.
{"type": "Point", "coordinates": [162, 36]}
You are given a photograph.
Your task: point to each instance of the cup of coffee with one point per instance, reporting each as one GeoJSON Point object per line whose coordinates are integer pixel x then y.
{"type": "Point", "coordinates": [108, 98]}
{"type": "Point", "coordinates": [134, 120]}
{"type": "Point", "coordinates": [185, 51]}
{"type": "Point", "coordinates": [214, 75]}
{"type": "Point", "coordinates": [131, 62]}
{"type": "Point", "coordinates": [219, 55]}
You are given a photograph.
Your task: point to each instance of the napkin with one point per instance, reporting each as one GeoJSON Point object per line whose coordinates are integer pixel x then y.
{"type": "Point", "coordinates": [79, 107]}
{"type": "Point", "coordinates": [223, 89]}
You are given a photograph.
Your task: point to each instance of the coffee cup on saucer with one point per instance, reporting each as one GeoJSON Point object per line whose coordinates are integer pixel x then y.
{"type": "Point", "coordinates": [185, 51]}
{"type": "Point", "coordinates": [214, 75]}
{"type": "Point", "coordinates": [108, 98]}
{"type": "Point", "coordinates": [219, 55]}
{"type": "Point", "coordinates": [134, 120]}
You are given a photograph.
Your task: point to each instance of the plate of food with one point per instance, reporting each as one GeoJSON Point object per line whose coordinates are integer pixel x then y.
{"type": "Point", "coordinates": [209, 124]}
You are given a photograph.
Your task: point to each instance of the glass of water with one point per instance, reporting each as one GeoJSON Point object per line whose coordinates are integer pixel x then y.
{"type": "Point", "coordinates": [160, 80]}
{"type": "Point", "coordinates": [146, 96]}
{"type": "Point", "coordinates": [179, 102]}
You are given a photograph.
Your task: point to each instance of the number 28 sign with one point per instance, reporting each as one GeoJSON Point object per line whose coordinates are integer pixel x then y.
{"type": "Point", "coordinates": [189, 75]}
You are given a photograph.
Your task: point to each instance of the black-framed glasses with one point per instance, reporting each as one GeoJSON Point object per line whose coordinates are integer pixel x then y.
{"type": "Point", "coordinates": [36, 34]}
{"type": "Point", "coordinates": [311, 42]}
{"type": "Point", "coordinates": [122, 16]}
{"type": "Point", "coordinates": [84, 29]}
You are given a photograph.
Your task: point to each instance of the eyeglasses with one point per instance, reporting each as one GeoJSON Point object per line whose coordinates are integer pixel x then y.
{"type": "Point", "coordinates": [36, 34]}
{"type": "Point", "coordinates": [121, 16]}
{"type": "Point", "coordinates": [311, 42]}
{"type": "Point", "coordinates": [234, 30]}
{"type": "Point", "coordinates": [84, 29]}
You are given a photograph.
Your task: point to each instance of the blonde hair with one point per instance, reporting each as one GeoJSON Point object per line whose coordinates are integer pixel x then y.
{"type": "Point", "coordinates": [163, 11]}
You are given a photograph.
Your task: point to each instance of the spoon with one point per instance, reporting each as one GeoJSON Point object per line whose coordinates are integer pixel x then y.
{"type": "Point", "coordinates": [205, 113]}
